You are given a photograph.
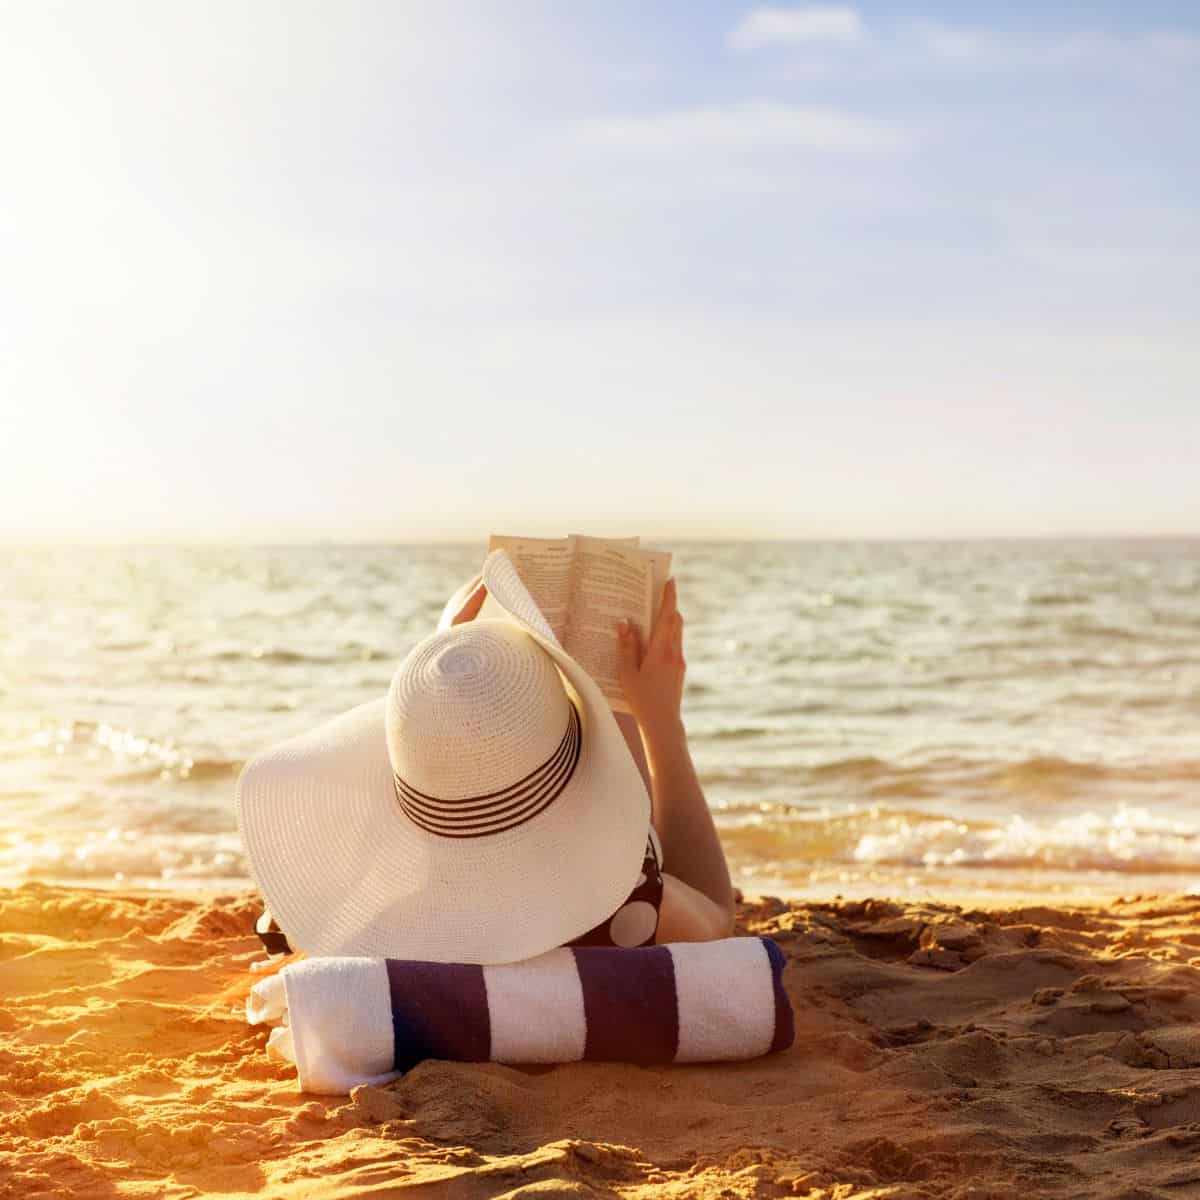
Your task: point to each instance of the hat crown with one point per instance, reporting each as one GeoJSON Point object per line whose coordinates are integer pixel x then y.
{"type": "Point", "coordinates": [473, 710]}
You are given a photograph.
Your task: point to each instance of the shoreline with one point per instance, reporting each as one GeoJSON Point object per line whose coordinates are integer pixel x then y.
{"type": "Point", "coordinates": [973, 887]}
{"type": "Point", "coordinates": [1043, 1049]}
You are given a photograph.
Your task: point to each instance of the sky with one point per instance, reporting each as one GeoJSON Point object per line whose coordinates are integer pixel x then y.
{"type": "Point", "coordinates": [417, 271]}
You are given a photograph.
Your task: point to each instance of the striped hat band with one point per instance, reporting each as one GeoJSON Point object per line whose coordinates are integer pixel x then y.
{"type": "Point", "coordinates": [495, 812]}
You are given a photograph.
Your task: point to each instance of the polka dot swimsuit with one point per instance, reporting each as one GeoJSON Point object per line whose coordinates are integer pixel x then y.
{"type": "Point", "coordinates": [636, 922]}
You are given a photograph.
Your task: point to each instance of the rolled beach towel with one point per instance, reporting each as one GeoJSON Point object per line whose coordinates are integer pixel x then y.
{"type": "Point", "coordinates": [349, 1021]}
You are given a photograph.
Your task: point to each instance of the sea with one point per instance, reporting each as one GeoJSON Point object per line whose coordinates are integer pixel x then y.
{"type": "Point", "coordinates": [981, 722]}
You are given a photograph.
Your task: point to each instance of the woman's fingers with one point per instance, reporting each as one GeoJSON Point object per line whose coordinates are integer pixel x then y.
{"type": "Point", "coordinates": [474, 602]}
{"type": "Point", "coordinates": [670, 600]}
{"type": "Point", "coordinates": [629, 653]}
{"type": "Point", "coordinates": [668, 629]}
{"type": "Point", "coordinates": [665, 644]}
{"type": "Point", "coordinates": [675, 635]}
{"type": "Point", "coordinates": [665, 608]}
{"type": "Point", "coordinates": [630, 640]}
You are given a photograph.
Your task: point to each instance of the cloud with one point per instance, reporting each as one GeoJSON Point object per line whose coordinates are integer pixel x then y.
{"type": "Point", "coordinates": [917, 46]}
{"type": "Point", "coordinates": [981, 47]}
{"type": "Point", "coordinates": [815, 23]}
{"type": "Point", "coordinates": [753, 125]}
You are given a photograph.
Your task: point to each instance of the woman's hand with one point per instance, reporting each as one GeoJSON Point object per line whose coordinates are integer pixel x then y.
{"type": "Point", "coordinates": [652, 679]}
{"type": "Point", "coordinates": [472, 604]}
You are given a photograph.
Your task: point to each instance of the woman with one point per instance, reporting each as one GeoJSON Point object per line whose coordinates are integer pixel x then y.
{"type": "Point", "coordinates": [490, 808]}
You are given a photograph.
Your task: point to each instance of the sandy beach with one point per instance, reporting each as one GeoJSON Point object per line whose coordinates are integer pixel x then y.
{"type": "Point", "coordinates": [940, 1052]}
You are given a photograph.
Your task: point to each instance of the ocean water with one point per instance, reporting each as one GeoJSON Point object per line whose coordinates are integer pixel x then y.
{"type": "Point", "coordinates": [971, 719]}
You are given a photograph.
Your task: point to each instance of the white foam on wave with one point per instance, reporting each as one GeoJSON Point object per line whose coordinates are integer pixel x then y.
{"type": "Point", "coordinates": [1126, 839]}
{"type": "Point", "coordinates": [122, 857]}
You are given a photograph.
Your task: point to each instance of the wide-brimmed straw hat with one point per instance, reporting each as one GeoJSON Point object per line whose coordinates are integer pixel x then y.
{"type": "Point", "coordinates": [486, 810]}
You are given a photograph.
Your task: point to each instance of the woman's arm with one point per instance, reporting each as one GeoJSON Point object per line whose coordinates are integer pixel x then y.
{"type": "Point", "coordinates": [627, 724]}
{"type": "Point", "coordinates": [653, 684]}
{"type": "Point", "coordinates": [691, 846]}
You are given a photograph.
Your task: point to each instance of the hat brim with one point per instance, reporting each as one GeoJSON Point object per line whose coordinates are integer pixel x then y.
{"type": "Point", "coordinates": [344, 871]}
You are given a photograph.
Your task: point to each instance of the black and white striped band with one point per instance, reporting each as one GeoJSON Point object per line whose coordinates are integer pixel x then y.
{"type": "Point", "coordinates": [495, 812]}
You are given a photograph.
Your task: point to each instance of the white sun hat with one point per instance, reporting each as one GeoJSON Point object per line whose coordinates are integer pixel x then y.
{"type": "Point", "coordinates": [485, 811]}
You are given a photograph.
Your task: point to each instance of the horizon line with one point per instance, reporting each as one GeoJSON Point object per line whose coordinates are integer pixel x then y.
{"type": "Point", "coordinates": [67, 543]}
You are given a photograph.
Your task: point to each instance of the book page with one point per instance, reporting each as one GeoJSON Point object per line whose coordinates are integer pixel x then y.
{"type": "Point", "coordinates": [584, 586]}
{"type": "Point", "coordinates": [660, 566]}
{"type": "Point", "coordinates": [613, 580]}
{"type": "Point", "coordinates": [545, 566]}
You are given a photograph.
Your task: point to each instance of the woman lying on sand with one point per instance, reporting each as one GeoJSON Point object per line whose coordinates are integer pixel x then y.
{"type": "Point", "coordinates": [490, 808]}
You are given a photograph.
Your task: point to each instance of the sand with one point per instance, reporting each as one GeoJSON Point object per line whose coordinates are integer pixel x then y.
{"type": "Point", "coordinates": [941, 1052]}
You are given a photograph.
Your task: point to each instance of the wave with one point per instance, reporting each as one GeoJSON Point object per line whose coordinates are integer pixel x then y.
{"type": "Point", "coordinates": [1051, 769]}
{"type": "Point", "coordinates": [859, 767]}
{"type": "Point", "coordinates": [124, 857]}
{"type": "Point", "coordinates": [1086, 628]}
{"type": "Point", "coordinates": [203, 770]}
{"type": "Point", "coordinates": [864, 770]}
{"type": "Point", "coordinates": [282, 656]}
{"type": "Point", "coordinates": [1046, 769]}
{"type": "Point", "coordinates": [736, 733]}
{"type": "Point", "coordinates": [277, 657]}
{"type": "Point", "coordinates": [1127, 840]}
{"type": "Point", "coordinates": [1035, 775]}
{"type": "Point", "coordinates": [1056, 599]}
{"type": "Point", "coordinates": [135, 757]}
{"type": "Point", "coordinates": [807, 708]}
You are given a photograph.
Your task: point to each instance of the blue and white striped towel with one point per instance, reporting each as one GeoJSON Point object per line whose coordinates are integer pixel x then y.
{"type": "Point", "coordinates": [348, 1021]}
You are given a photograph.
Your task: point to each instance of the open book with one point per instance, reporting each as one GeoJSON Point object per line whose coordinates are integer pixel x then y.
{"type": "Point", "coordinates": [584, 586]}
